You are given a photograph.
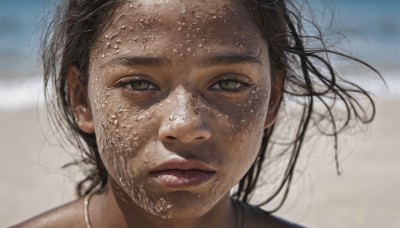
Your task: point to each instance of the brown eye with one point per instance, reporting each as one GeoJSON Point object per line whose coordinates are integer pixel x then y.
{"type": "Point", "coordinates": [140, 85]}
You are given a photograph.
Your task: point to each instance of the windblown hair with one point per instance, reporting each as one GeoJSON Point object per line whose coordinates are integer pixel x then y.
{"type": "Point", "coordinates": [309, 78]}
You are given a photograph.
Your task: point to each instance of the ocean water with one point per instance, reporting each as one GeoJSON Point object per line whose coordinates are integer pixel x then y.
{"type": "Point", "coordinates": [19, 23]}
{"type": "Point", "coordinates": [372, 28]}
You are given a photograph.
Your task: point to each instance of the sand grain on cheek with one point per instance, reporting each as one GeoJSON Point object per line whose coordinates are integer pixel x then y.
{"type": "Point", "coordinates": [244, 129]}
{"type": "Point", "coordinates": [247, 116]}
{"type": "Point", "coordinates": [122, 138]}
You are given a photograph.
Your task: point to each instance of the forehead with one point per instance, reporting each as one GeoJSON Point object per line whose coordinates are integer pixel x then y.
{"type": "Point", "coordinates": [194, 11]}
{"type": "Point", "coordinates": [173, 25]}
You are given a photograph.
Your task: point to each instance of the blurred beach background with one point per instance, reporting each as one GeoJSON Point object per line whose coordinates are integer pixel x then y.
{"type": "Point", "coordinates": [365, 195]}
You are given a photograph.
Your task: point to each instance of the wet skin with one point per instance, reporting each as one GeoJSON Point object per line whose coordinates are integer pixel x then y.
{"type": "Point", "coordinates": [183, 81]}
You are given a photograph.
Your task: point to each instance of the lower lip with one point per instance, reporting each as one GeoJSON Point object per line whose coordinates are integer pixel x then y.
{"type": "Point", "coordinates": [175, 178]}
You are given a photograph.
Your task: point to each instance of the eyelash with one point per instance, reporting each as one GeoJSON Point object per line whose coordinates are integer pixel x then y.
{"type": "Point", "coordinates": [241, 85]}
{"type": "Point", "coordinates": [127, 84]}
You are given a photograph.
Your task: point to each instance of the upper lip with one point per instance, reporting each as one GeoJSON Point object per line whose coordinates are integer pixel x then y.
{"type": "Point", "coordinates": [183, 164]}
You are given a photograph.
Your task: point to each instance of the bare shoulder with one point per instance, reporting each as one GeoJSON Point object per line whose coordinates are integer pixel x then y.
{"type": "Point", "coordinates": [68, 215]}
{"type": "Point", "coordinates": [256, 217]}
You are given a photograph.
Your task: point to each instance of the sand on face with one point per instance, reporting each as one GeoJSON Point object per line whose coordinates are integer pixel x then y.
{"type": "Point", "coordinates": [366, 195]}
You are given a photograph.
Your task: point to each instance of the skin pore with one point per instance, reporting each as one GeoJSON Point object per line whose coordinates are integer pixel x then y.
{"type": "Point", "coordinates": [181, 81]}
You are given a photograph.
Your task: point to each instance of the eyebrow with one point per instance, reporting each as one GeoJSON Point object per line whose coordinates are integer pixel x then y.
{"type": "Point", "coordinates": [131, 61]}
{"type": "Point", "coordinates": [231, 59]}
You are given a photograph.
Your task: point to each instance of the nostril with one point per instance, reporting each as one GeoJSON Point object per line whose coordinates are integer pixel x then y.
{"type": "Point", "coordinates": [171, 138]}
{"type": "Point", "coordinates": [200, 138]}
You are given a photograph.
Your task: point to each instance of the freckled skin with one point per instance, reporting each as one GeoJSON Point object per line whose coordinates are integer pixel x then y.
{"type": "Point", "coordinates": [184, 113]}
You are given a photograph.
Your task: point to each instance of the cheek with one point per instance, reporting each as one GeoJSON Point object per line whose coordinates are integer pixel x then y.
{"type": "Point", "coordinates": [240, 132]}
{"type": "Point", "coordinates": [125, 138]}
{"type": "Point", "coordinates": [245, 120]}
{"type": "Point", "coordinates": [123, 133]}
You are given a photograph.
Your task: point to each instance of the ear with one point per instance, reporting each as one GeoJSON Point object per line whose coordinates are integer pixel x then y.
{"type": "Point", "coordinates": [79, 105]}
{"type": "Point", "coordinates": [275, 98]}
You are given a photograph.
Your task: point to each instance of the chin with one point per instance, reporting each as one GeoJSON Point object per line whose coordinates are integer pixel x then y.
{"type": "Point", "coordinates": [181, 205]}
{"type": "Point", "coordinates": [187, 205]}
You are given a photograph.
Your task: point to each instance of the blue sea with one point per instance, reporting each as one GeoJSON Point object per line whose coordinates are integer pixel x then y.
{"type": "Point", "coordinates": [372, 28]}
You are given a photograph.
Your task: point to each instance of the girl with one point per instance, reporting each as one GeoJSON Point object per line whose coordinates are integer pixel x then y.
{"type": "Point", "coordinates": [173, 103]}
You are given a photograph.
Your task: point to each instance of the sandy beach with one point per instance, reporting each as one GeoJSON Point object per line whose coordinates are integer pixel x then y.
{"type": "Point", "coordinates": [365, 195]}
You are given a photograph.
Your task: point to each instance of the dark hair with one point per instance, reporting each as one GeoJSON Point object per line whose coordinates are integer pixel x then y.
{"type": "Point", "coordinates": [309, 76]}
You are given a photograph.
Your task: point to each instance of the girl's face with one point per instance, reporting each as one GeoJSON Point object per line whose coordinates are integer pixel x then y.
{"type": "Point", "coordinates": [179, 94]}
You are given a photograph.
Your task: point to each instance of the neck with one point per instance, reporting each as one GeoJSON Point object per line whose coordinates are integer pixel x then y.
{"type": "Point", "coordinates": [114, 208]}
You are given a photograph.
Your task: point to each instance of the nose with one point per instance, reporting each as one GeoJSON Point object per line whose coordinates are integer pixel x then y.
{"type": "Point", "coordinates": [183, 123]}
